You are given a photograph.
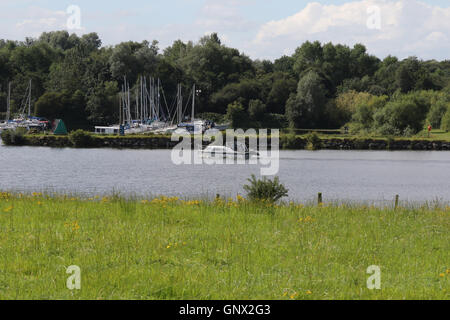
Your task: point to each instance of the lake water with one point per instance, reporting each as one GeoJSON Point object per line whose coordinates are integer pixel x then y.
{"type": "Point", "coordinates": [373, 176]}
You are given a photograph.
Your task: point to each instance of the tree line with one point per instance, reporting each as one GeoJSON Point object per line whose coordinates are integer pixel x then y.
{"type": "Point", "coordinates": [324, 86]}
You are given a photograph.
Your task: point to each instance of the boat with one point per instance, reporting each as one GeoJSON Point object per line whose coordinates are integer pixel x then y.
{"type": "Point", "coordinates": [239, 151]}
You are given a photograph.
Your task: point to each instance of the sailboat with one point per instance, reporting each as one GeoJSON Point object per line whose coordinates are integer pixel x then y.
{"type": "Point", "coordinates": [7, 123]}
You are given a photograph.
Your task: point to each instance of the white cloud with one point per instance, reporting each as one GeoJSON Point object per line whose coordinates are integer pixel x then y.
{"type": "Point", "coordinates": [32, 21]}
{"type": "Point", "coordinates": [408, 27]}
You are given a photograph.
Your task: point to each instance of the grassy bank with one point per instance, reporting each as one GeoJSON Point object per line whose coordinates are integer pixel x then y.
{"type": "Point", "coordinates": [172, 249]}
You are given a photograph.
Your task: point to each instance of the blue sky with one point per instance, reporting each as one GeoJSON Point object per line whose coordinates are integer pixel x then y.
{"type": "Point", "coordinates": [260, 28]}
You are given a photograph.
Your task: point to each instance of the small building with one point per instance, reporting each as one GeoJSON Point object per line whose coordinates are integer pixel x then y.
{"type": "Point", "coordinates": [107, 130]}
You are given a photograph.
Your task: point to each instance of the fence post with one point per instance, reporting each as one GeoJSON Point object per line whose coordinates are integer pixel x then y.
{"type": "Point", "coordinates": [319, 199]}
{"type": "Point", "coordinates": [397, 197]}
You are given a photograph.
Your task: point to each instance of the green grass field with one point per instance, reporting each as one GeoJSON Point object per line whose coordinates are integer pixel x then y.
{"type": "Point", "coordinates": [172, 249]}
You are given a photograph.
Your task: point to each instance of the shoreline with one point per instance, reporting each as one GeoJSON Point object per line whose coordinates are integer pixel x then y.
{"type": "Point", "coordinates": [286, 143]}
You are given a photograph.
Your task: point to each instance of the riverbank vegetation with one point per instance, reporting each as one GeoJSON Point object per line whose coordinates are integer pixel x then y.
{"type": "Point", "coordinates": [168, 248]}
{"type": "Point", "coordinates": [319, 86]}
{"type": "Point", "coordinates": [436, 141]}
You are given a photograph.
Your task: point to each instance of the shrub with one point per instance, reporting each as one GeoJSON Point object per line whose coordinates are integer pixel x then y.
{"type": "Point", "coordinates": [313, 141]}
{"type": "Point", "coordinates": [289, 141]}
{"type": "Point", "coordinates": [445, 124]}
{"type": "Point", "coordinates": [13, 137]}
{"type": "Point", "coordinates": [265, 189]}
{"type": "Point", "coordinates": [81, 139]}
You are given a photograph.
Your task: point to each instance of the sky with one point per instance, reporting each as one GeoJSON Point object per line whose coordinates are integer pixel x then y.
{"type": "Point", "coordinates": [262, 29]}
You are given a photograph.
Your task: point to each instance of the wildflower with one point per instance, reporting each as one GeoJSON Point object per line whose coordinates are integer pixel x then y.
{"type": "Point", "coordinates": [39, 203]}
{"type": "Point", "coordinates": [442, 275]}
{"type": "Point", "coordinates": [8, 209]}
{"type": "Point", "coordinates": [219, 202]}
{"type": "Point", "coordinates": [294, 295]}
{"type": "Point", "coordinates": [75, 227]}
{"type": "Point", "coordinates": [309, 292]}
{"type": "Point", "coordinates": [144, 201]}
{"type": "Point", "coordinates": [448, 271]}
{"type": "Point", "coordinates": [308, 219]}
{"type": "Point", "coordinates": [240, 198]}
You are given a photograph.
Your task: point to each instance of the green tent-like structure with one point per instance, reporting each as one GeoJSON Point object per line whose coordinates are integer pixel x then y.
{"type": "Point", "coordinates": [60, 128]}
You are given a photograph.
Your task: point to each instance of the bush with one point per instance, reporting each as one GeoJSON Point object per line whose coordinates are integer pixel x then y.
{"type": "Point", "coordinates": [13, 137]}
{"type": "Point", "coordinates": [291, 142]}
{"type": "Point", "coordinates": [265, 189]}
{"type": "Point", "coordinates": [313, 141]}
{"type": "Point", "coordinates": [445, 124]}
{"type": "Point", "coordinates": [81, 139]}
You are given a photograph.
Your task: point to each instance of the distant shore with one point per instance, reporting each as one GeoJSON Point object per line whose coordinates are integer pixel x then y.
{"type": "Point", "coordinates": [287, 142]}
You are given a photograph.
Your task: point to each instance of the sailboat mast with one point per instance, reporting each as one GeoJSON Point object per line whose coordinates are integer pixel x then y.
{"type": "Point", "coordinates": [29, 101]}
{"type": "Point", "coordinates": [158, 101]}
{"type": "Point", "coordinates": [142, 103]}
{"type": "Point", "coordinates": [193, 104]}
{"type": "Point", "coordinates": [120, 108]}
{"type": "Point", "coordinates": [8, 103]}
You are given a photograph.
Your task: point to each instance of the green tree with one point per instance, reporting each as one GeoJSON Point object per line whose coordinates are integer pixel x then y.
{"type": "Point", "coordinates": [305, 109]}
{"type": "Point", "coordinates": [445, 124]}
{"type": "Point", "coordinates": [256, 110]}
{"type": "Point", "coordinates": [237, 116]}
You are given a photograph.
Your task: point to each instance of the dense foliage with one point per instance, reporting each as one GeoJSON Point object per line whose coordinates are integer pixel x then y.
{"type": "Point", "coordinates": [319, 86]}
{"type": "Point", "coordinates": [13, 137]}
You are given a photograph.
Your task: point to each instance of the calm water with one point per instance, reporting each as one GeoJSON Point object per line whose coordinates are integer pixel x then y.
{"type": "Point", "coordinates": [343, 175]}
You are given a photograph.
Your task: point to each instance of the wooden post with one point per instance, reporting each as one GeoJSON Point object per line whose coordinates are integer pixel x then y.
{"type": "Point", "coordinates": [397, 197]}
{"type": "Point", "coordinates": [319, 199]}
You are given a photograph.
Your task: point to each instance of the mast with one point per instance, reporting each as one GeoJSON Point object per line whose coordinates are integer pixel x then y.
{"type": "Point", "coordinates": [180, 106]}
{"type": "Point", "coordinates": [137, 103]}
{"type": "Point", "coordinates": [29, 101]}
{"type": "Point", "coordinates": [142, 103]}
{"type": "Point", "coordinates": [120, 108]}
{"type": "Point", "coordinates": [158, 102]}
{"type": "Point", "coordinates": [129, 104]}
{"type": "Point", "coordinates": [8, 102]}
{"type": "Point", "coordinates": [193, 104]}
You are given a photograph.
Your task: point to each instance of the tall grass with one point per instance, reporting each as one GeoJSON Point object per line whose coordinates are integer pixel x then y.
{"type": "Point", "coordinates": [227, 249]}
